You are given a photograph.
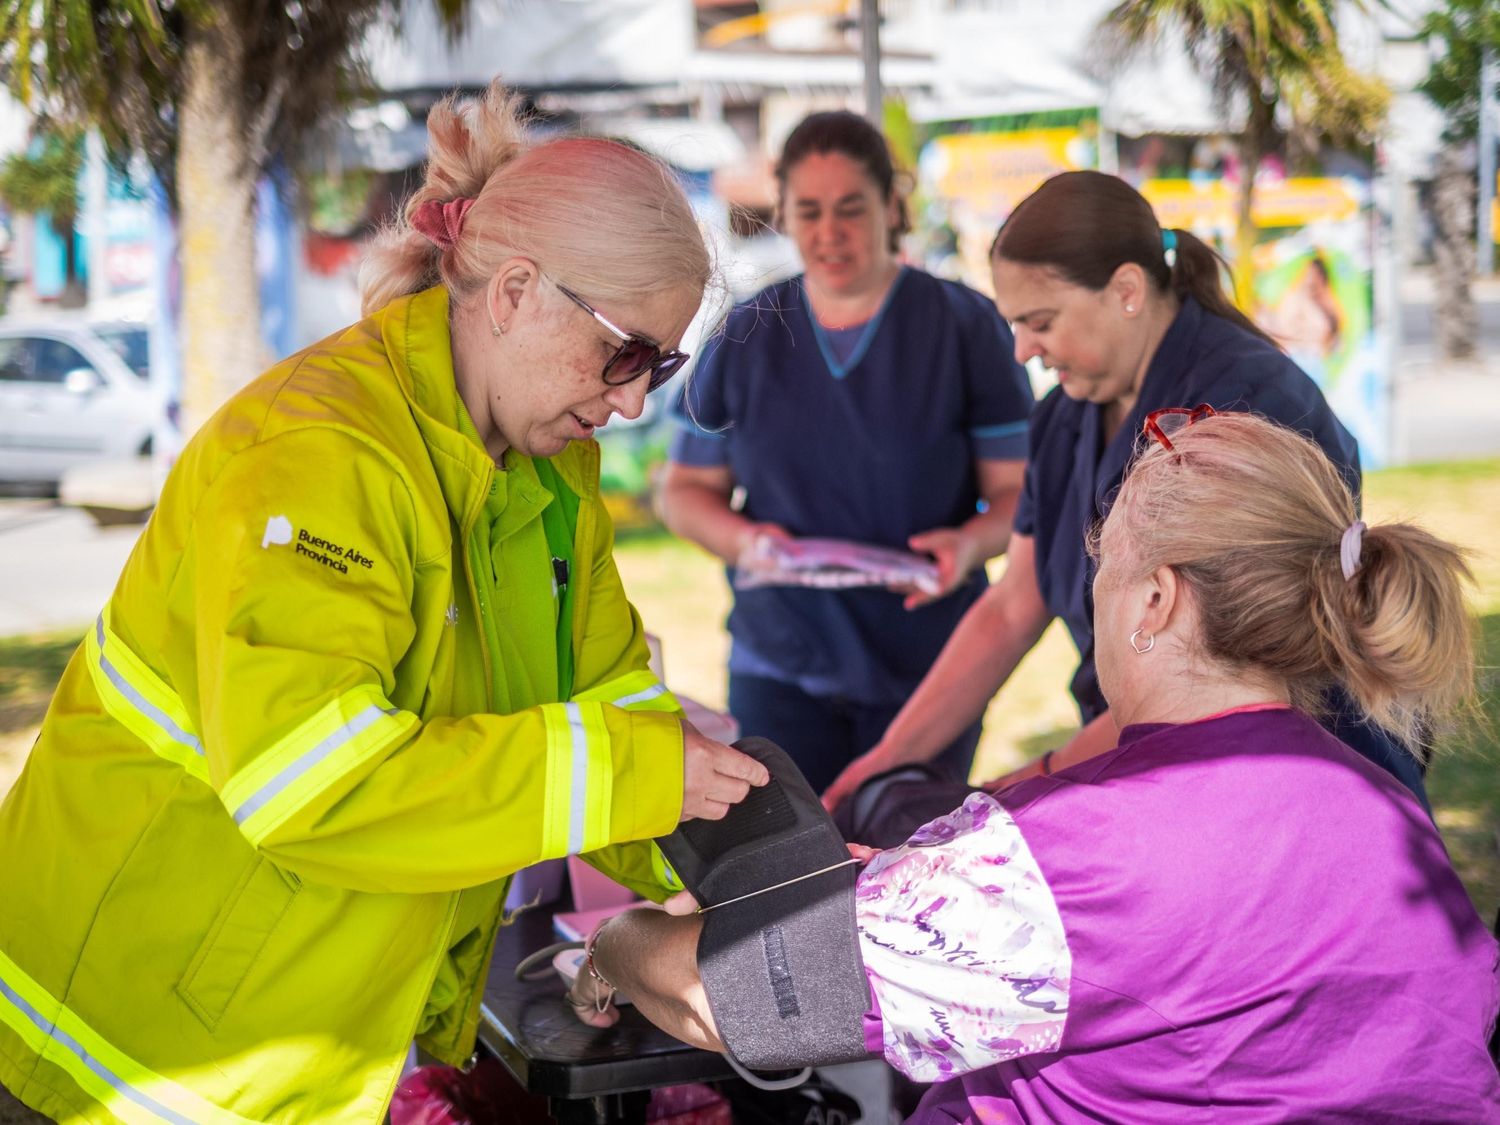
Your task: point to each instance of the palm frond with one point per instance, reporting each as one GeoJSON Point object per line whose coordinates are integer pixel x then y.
{"type": "Point", "coordinates": [118, 64]}
{"type": "Point", "coordinates": [1283, 51]}
{"type": "Point", "coordinates": [44, 179]}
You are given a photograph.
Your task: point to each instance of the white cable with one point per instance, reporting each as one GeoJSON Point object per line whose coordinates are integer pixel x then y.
{"type": "Point", "coordinates": [776, 886]}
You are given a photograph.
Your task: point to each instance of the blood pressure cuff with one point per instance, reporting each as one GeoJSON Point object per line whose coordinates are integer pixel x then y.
{"type": "Point", "coordinates": [887, 810]}
{"type": "Point", "coordinates": [782, 969]}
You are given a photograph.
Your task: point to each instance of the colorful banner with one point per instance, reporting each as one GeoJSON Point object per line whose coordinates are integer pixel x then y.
{"type": "Point", "coordinates": [970, 182]}
{"type": "Point", "coordinates": [1214, 204]}
{"type": "Point", "coordinates": [992, 172]}
{"type": "Point", "coordinates": [1314, 295]}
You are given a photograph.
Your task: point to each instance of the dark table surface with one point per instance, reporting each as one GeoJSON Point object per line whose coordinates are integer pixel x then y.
{"type": "Point", "coordinates": [530, 1027]}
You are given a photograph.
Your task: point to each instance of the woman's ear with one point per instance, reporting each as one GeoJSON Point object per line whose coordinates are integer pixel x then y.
{"type": "Point", "coordinates": [1163, 592]}
{"type": "Point", "coordinates": [893, 214]}
{"type": "Point", "coordinates": [508, 286]}
{"type": "Point", "coordinates": [1128, 287]}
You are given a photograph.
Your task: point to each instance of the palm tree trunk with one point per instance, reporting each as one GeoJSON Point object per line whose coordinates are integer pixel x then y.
{"type": "Point", "coordinates": [1457, 326]}
{"type": "Point", "coordinates": [1253, 143]}
{"type": "Point", "coordinates": [220, 321]}
{"type": "Point", "coordinates": [74, 294]}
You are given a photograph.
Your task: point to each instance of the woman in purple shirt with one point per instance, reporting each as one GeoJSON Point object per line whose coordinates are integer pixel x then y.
{"type": "Point", "coordinates": [1231, 915]}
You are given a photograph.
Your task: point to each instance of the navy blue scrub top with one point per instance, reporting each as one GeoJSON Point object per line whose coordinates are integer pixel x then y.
{"type": "Point", "coordinates": [1072, 477]}
{"type": "Point", "coordinates": [872, 442]}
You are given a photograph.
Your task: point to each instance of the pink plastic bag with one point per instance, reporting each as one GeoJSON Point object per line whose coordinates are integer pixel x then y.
{"type": "Point", "coordinates": [445, 1095]}
{"type": "Point", "coordinates": [488, 1095]}
{"type": "Point", "coordinates": [694, 1104]}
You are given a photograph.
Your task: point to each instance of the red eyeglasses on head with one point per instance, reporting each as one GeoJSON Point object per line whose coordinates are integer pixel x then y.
{"type": "Point", "coordinates": [1161, 424]}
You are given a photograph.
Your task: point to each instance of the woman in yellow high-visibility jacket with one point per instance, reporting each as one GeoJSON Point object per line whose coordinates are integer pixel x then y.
{"type": "Point", "coordinates": [370, 657]}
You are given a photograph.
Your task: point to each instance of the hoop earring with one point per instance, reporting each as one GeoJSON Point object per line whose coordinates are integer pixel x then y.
{"type": "Point", "coordinates": [1150, 642]}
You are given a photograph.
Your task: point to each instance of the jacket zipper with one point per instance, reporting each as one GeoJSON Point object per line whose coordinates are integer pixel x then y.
{"type": "Point", "coordinates": [475, 599]}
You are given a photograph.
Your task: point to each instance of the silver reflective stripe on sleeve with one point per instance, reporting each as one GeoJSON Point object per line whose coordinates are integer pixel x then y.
{"type": "Point", "coordinates": [362, 721]}
{"type": "Point", "coordinates": [578, 804]}
{"type": "Point", "coordinates": [641, 696]}
{"type": "Point", "coordinates": [157, 716]}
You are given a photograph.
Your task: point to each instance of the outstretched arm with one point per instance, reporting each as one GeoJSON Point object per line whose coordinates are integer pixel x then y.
{"type": "Point", "coordinates": [997, 631]}
{"type": "Point", "coordinates": [694, 504]}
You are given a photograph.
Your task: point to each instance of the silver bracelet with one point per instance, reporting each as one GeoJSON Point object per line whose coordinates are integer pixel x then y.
{"type": "Point", "coordinates": [593, 969]}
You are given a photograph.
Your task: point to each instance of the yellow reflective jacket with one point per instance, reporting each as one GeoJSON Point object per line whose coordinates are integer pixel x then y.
{"type": "Point", "coordinates": [273, 785]}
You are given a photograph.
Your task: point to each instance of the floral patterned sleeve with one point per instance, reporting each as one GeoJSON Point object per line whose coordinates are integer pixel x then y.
{"type": "Point", "coordinates": [964, 947]}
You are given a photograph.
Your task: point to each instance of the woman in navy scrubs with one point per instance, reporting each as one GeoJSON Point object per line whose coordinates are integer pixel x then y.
{"type": "Point", "coordinates": [1132, 318]}
{"type": "Point", "coordinates": [860, 400]}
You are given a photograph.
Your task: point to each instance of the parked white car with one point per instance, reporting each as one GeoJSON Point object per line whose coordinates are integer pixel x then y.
{"type": "Point", "coordinates": [71, 393]}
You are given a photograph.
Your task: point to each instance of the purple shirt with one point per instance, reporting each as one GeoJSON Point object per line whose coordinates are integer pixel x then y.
{"type": "Point", "coordinates": [1260, 925]}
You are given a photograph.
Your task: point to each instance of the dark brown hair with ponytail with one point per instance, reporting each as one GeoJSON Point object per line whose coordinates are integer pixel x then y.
{"type": "Point", "coordinates": [1086, 225]}
{"type": "Point", "coordinates": [847, 134]}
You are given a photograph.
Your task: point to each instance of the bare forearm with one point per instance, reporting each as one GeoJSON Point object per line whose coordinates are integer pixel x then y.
{"type": "Point", "coordinates": [1000, 482]}
{"type": "Point", "coordinates": [978, 658]}
{"type": "Point", "coordinates": [652, 957]}
{"type": "Point", "coordinates": [703, 515]}
{"type": "Point", "coordinates": [990, 530]}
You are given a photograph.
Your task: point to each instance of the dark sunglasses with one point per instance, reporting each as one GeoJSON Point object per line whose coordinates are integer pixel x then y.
{"type": "Point", "coordinates": [1161, 424]}
{"type": "Point", "coordinates": [635, 356]}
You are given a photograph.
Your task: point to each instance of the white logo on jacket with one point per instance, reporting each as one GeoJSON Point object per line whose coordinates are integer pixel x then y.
{"type": "Point", "coordinates": [278, 531]}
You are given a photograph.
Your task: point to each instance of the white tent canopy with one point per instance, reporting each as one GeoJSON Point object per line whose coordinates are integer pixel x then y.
{"type": "Point", "coordinates": [582, 43]}
{"type": "Point", "coordinates": [1031, 58]}
{"type": "Point", "coordinates": [684, 142]}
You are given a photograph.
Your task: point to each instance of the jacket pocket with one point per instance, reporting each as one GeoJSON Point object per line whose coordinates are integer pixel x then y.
{"type": "Point", "coordinates": [235, 939]}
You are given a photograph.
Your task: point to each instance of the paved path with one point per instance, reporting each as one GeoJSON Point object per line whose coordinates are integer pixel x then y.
{"type": "Point", "coordinates": [1418, 328]}
{"type": "Point", "coordinates": [56, 566]}
{"type": "Point", "coordinates": [1445, 411]}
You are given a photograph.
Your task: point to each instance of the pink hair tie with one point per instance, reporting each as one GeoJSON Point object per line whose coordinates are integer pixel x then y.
{"type": "Point", "coordinates": [442, 223]}
{"type": "Point", "coordinates": [1351, 545]}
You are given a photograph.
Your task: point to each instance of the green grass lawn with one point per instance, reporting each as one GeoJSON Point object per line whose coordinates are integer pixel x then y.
{"type": "Point", "coordinates": [681, 594]}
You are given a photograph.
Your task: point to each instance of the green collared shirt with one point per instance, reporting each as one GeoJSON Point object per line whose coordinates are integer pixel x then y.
{"type": "Point", "coordinates": [535, 481]}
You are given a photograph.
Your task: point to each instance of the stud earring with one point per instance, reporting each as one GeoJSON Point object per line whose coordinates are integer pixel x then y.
{"type": "Point", "coordinates": [1130, 308]}
{"type": "Point", "coordinates": [1150, 642]}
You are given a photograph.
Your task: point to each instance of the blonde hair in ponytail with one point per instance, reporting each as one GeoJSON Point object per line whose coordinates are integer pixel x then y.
{"type": "Point", "coordinates": [1251, 516]}
{"type": "Point", "coordinates": [605, 219]}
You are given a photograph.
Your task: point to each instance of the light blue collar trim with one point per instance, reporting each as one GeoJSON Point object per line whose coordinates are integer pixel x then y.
{"type": "Point", "coordinates": [872, 326]}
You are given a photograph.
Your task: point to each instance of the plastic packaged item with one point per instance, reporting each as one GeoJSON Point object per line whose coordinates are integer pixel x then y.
{"type": "Point", "coordinates": [832, 564]}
